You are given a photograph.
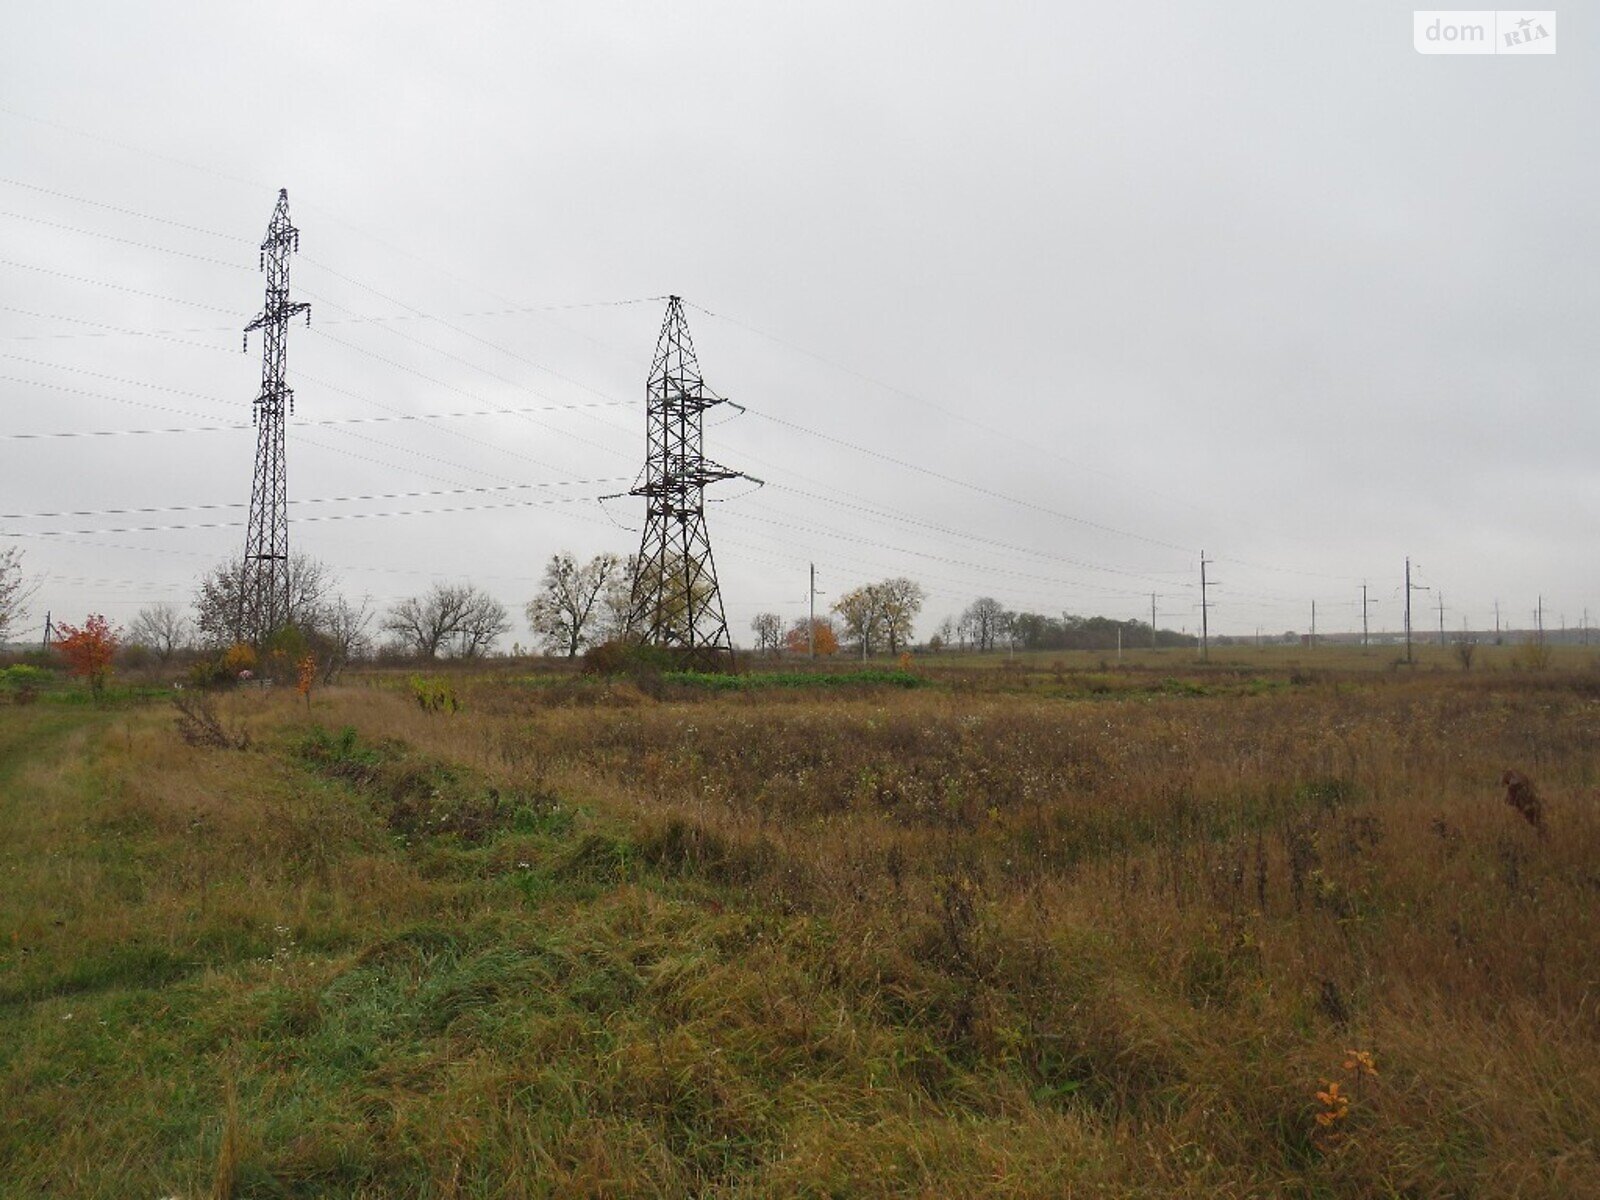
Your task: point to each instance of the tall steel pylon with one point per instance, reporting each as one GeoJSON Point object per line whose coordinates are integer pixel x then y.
{"type": "Point", "coordinates": [676, 602]}
{"type": "Point", "coordinates": [264, 599]}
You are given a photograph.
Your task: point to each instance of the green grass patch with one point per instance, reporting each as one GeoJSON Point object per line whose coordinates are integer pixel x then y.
{"type": "Point", "coordinates": [802, 680]}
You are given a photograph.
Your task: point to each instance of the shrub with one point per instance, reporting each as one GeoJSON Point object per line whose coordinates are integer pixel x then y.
{"type": "Point", "coordinates": [209, 672]}
{"type": "Point", "coordinates": [21, 676]}
{"type": "Point", "coordinates": [199, 724]}
{"type": "Point", "coordinates": [627, 658]}
{"type": "Point", "coordinates": [23, 682]}
{"type": "Point", "coordinates": [1532, 656]}
{"type": "Point", "coordinates": [238, 658]}
{"type": "Point", "coordinates": [434, 695]}
{"type": "Point", "coordinates": [89, 650]}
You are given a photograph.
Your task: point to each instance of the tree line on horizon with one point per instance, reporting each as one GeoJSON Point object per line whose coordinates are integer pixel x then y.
{"type": "Point", "coordinates": [579, 605]}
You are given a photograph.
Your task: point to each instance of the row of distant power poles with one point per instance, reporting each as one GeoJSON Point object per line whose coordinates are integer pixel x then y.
{"type": "Point", "coordinates": [1206, 604]}
{"type": "Point", "coordinates": [1206, 583]}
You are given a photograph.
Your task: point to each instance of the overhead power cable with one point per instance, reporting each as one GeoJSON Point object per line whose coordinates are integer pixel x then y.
{"type": "Point", "coordinates": [946, 531]}
{"type": "Point", "coordinates": [981, 569]}
{"type": "Point", "coordinates": [459, 390]}
{"type": "Point", "coordinates": [355, 516]}
{"type": "Point", "coordinates": [111, 237]}
{"type": "Point", "coordinates": [116, 287]}
{"type": "Point", "coordinates": [1032, 445]}
{"type": "Point", "coordinates": [127, 212]}
{"type": "Point", "coordinates": [979, 488]}
{"type": "Point", "coordinates": [297, 423]}
{"type": "Point", "coordinates": [411, 495]}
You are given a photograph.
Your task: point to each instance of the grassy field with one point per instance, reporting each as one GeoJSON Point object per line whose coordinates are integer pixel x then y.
{"type": "Point", "coordinates": [1045, 927]}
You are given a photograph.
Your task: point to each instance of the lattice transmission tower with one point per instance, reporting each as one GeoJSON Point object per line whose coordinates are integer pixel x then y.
{"type": "Point", "coordinates": [676, 601]}
{"type": "Point", "coordinates": [264, 585]}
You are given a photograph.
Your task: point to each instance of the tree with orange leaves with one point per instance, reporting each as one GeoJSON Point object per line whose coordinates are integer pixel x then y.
{"type": "Point", "coordinates": [89, 649]}
{"type": "Point", "coordinates": [306, 678]}
{"type": "Point", "coordinates": [827, 641]}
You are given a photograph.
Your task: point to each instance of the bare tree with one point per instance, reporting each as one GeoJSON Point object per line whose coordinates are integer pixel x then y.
{"type": "Point", "coordinates": [616, 602]}
{"type": "Point", "coordinates": [569, 609]}
{"type": "Point", "coordinates": [768, 628]}
{"type": "Point", "coordinates": [459, 613]}
{"type": "Point", "coordinates": [861, 610]}
{"type": "Point", "coordinates": [343, 634]}
{"type": "Point", "coordinates": [984, 622]}
{"type": "Point", "coordinates": [482, 624]}
{"type": "Point", "coordinates": [14, 591]}
{"type": "Point", "coordinates": [422, 623]}
{"type": "Point", "coordinates": [1009, 628]}
{"type": "Point", "coordinates": [899, 601]}
{"type": "Point", "coordinates": [162, 627]}
{"type": "Point", "coordinates": [217, 599]}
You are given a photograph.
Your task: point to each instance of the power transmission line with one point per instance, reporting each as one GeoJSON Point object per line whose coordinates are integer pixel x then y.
{"type": "Point", "coordinates": [266, 591]}
{"type": "Point", "coordinates": [111, 237]}
{"type": "Point", "coordinates": [457, 358]}
{"type": "Point", "coordinates": [974, 487]}
{"type": "Point", "coordinates": [1007, 436]}
{"type": "Point", "coordinates": [355, 516]}
{"type": "Point", "coordinates": [127, 212]}
{"type": "Point", "coordinates": [116, 287]}
{"type": "Point", "coordinates": [351, 499]}
{"type": "Point", "coordinates": [417, 314]}
{"type": "Point", "coordinates": [934, 527]}
{"type": "Point", "coordinates": [676, 600]}
{"type": "Point", "coordinates": [323, 422]}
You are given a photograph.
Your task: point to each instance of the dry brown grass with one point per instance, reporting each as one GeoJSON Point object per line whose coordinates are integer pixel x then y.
{"type": "Point", "coordinates": [950, 941]}
{"type": "Point", "coordinates": [1262, 882]}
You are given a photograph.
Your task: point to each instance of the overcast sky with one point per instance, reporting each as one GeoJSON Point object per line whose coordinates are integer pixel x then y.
{"type": "Point", "coordinates": [1033, 301]}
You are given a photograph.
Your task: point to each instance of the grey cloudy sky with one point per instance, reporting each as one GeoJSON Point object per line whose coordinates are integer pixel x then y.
{"type": "Point", "coordinates": [1028, 300]}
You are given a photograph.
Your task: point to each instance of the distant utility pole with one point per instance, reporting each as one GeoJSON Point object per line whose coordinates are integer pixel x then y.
{"type": "Point", "coordinates": [1497, 620]}
{"type": "Point", "coordinates": [1410, 587]}
{"type": "Point", "coordinates": [1313, 624]}
{"type": "Point", "coordinates": [1538, 619]}
{"type": "Point", "coordinates": [1152, 620]}
{"type": "Point", "coordinates": [1408, 610]}
{"type": "Point", "coordinates": [49, 631]}
{"type": "Point", "coordinates": [1365, 604]}
{"type": "Point", "coordinates": [1585, 626]}
{"type": "Point", "coordinates": [811, 625]}
{"type": "Point", "coordinates": [1205, 610]}
{"type": "Point", "coordinates": [1441, 618]}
